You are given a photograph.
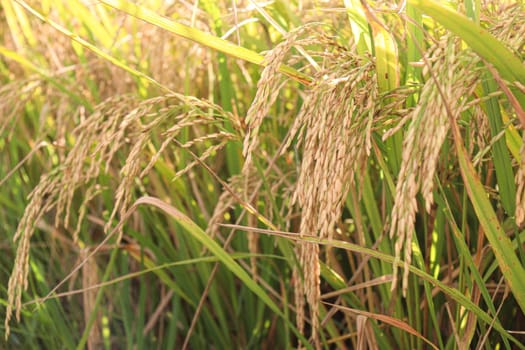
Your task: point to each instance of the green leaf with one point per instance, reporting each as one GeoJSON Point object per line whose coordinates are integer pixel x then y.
{"type": "Point", "coordinates": [508, 262]}
{"type": "Point", "coordinates": [200, 37]}
{"type": "Point", "coordinates": [500, 152]}
{"type": "Point", "coordinates": [373, 253]}
{"type": "Point", "coordinates": [220, 253]}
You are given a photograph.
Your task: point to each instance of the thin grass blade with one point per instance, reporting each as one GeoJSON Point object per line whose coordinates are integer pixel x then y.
{"type": "Point", "coordinates": [220, 253]}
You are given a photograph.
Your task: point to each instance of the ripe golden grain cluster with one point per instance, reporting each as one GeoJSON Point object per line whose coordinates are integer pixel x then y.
{"type": "Point", "coordinates": [120, 124]}
{"type": "Point", "coordinates": [456, 72]}
{"type": "Point", "coordinates": [335, 124]}
{"type": "Point", "coordinates": [334, 128]}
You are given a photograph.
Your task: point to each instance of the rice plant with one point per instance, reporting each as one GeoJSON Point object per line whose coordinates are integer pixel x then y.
{"type": "Point", "coordinates": [255, 175]}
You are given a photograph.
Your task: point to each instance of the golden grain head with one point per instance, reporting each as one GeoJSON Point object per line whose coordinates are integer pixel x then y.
{"type": "Point", "coordinates": [121, 125]}
{"type": "Point", "coordinates": [457, 74]}
{"type": "Point", "coordinates": [268, 89]}
{"type": "Point", "coordinates": [334, 129]}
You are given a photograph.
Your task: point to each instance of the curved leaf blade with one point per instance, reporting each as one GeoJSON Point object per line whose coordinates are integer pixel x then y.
{"type": "Point", "coordinates": [220, 253]}
{"type": "Point", "coordinates": [211, 41]}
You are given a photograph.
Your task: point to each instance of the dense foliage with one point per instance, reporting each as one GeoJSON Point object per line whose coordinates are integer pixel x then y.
{"type": "Point", "coordinates": [239, 174]}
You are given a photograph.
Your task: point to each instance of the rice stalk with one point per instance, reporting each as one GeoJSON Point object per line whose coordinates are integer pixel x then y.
{"type": "Point", "coordinates": [268, 89]}
{"type": "Point", "coordinates": [90, 278]}
{"type": "Point", "coordinates": [334, 128]}
{"type": "Point", "coordinates": [115, 124]}
{"type": "Point", "coordinates": [426, 133]}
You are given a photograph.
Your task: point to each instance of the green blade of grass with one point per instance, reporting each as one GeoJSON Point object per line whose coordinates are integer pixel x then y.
{"type": "Point", "coordinates": [151, 266]}
{"type": "Point", "coordinates": [200, 37]}
{"type": "Point", "coordinates": [513, 139]}
{"type": "Point", "coordinates": [221, 254]}
{"type": "Point", "coordinates": [455, 294]}
{"type": "Point", "coordinates": [508, 262]}
{"type": "Point", "coordinates": [226, 90]}
{"type": "Point", "coordinates": [359, 25]}
{"type": "Point", "coordinates": [385, 49]}
{"type": "Point", "coordinates": [500, 153]}
{"type": "Point", "coordinates": [464, 251]}
{"type": "Point", "coordinates": [472, 8]}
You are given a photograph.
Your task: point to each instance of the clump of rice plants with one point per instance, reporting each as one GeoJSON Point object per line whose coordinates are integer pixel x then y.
{"type": "Point", "coordinates": [237, 174]}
